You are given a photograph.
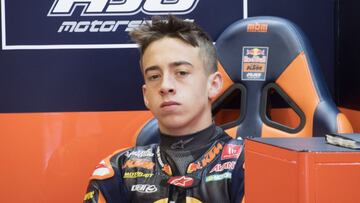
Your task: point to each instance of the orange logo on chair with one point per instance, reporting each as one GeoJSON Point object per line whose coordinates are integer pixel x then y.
{"type": "Point", "coordinates": [257, 27]}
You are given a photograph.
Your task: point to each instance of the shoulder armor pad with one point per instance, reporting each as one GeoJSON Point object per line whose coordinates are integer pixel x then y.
{"type": "Point", "coordinates": [104, 169]}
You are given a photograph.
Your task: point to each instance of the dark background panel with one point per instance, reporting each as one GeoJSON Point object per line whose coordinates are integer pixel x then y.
{"type": "Point", "coordinates": [81, 79]}
{"type": "Point", "coordinates": [28, 23]}
{"type": "Point", "coordinates": [70, 80]}
{"type": "Point", "coordinates": [348, 54]}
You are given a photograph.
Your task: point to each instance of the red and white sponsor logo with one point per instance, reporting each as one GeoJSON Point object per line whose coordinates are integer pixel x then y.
{"type": "Point", "coordinates": [231, 151]}
{"type": "Point", "coordinates": [225, 166]}
{"type": "Point", "coordinates": [181, 181]}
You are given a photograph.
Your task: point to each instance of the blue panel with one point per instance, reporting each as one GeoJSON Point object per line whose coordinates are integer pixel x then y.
{"type": "Point", "coordinates": [64, 22]}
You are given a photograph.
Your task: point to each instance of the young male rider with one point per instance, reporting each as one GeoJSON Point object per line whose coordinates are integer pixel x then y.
{"type": "Point", "coordinates": [195, 161]}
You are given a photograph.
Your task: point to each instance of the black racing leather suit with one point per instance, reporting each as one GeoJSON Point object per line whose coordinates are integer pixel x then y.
{"type": "Point", "coordinates": [154, 173]}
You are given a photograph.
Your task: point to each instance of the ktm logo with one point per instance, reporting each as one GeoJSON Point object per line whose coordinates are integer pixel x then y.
{"type": "Point", "coordinates": [122, 7]}
{"type": "Point", "coordinates": [208, 157]}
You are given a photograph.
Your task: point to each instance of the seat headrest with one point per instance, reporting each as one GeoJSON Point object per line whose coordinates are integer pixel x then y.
{"type": "Point", "coordinates": [149, 133]}
{"type": "Point", "coordinates": [266, 54]}
{"type": "Point", "coordinates": [248, 47]}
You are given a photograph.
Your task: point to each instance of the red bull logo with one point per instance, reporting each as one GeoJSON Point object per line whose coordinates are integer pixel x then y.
{"type": "Point", "coordinates": [255, 52]}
